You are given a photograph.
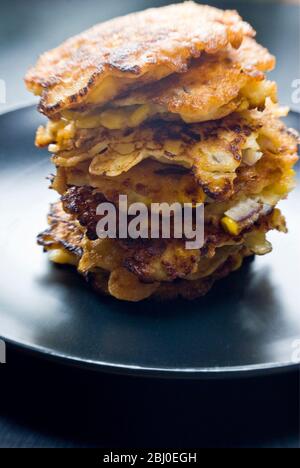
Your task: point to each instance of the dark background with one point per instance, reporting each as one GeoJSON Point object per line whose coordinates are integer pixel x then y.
{"type": "Point", "coordinates": [44, 404]}
{"type": "Point", "coordinates": [47, 405]}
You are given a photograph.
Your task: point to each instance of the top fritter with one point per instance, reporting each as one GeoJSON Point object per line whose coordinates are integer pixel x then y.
{"type": "Point", "coordinates": [127, 52]}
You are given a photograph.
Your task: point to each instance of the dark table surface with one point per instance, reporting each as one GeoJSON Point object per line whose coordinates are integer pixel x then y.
{"type": "Point", "coordinates": [44, 404]}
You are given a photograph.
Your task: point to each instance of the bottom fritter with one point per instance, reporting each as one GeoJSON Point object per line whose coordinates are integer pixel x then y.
{"type": "Point", "coordinates": [133, 271]}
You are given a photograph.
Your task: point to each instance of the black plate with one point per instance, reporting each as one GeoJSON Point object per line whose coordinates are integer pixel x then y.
{"type": "Point", "coordinates": [249, 323]}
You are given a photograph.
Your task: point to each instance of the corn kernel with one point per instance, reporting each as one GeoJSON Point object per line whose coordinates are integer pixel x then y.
{"type": "Point", "coordinates": [62, 257]}
{"type": "Point", "coordinates": [281, 188]}
{"type": "Point", "coordinates": [231, 226]}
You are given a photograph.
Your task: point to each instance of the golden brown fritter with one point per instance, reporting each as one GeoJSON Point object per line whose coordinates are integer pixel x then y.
{"type": "Point", "coordinates": [192, 290]}
{"type": "Point", "coordinates": [161, 259]}
{"type": "Point", "coordinates": [64, 232]}
{"type": "Point", "coordinates": [128, 272]}
{"type": "Point", "coordinates": [134, 271]}
{"type": "Point", "coordinates": [140, 48]}
{"type": "Point", "coordinates": [152, 182]}
{"type": "Point", "coordinates": [148, 182]}
{"type": "Point", "coordinates": [215, 86]}
{"type": "Point", "coordinates": [116, 280]}
{"type": "Point", "coordinates": [125, 286]}
{"type": "Point", "coordinates": [167, 105]}
{"type": "Point", "coordinates": [214, 152]}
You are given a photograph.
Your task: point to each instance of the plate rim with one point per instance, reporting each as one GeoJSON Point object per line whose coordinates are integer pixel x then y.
{"type": "Point", "coordinates": [251, 370]}
{"type": "Point", "coordinates": [201, 373]}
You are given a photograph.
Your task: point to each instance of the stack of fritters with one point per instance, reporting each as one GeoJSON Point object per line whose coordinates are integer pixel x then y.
{"type": "Point", "coordinates": [167, 105]}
